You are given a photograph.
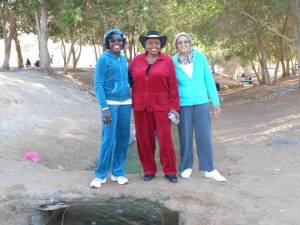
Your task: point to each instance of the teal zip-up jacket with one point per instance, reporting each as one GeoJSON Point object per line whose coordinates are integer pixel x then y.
{"type": "Point", "coordinates": [111, 78]}
{"type": "Point", "coordinates": [201, 87]}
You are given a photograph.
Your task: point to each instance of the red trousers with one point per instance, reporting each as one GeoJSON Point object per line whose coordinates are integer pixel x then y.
{"type": "Point", "coordinates": [147, 125]}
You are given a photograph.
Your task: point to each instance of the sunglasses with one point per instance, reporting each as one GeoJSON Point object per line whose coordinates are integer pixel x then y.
{"type": "Point", "coordinates": [116, 40]}
{"type": "Point", "coordinates": [183, 42]}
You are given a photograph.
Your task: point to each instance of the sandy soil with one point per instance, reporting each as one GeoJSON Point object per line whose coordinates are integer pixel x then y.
{"type": "Point", "coordinates": [256, 147]}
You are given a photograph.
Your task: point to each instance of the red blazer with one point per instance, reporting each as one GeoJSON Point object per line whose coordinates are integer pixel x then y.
{"type": "Point", "coordinates": [158, 91]}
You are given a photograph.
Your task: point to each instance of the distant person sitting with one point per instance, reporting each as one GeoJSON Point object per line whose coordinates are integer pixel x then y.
{"type": "Point", "coordinates": [37, 63]}
{"type": "Point", "coordinates": [246, 78]}
{"type": "Point", "coordinates": [218, 85]}
{"type": "Point", "coordinates": [243, 77]}
{"type": "Point", "coordinates": [249, 79]}
{"type": "Point", "coordinates": [28, 63]}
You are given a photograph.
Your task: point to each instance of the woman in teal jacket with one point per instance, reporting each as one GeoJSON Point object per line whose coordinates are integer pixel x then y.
{"type": "Point", "coordinates": [113, 93]}
{"type": "Point", "coordinates": [196, 86]}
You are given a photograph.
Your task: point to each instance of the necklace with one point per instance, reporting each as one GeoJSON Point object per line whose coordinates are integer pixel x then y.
{"type": "Point", "coordinates": [151, 59]}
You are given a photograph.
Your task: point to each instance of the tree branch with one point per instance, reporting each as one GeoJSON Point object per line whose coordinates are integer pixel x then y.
{"type": "Point", "coordinates": [268, 27]}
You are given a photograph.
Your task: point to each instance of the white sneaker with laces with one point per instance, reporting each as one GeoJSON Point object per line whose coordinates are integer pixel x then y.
{"type": "Point", "coordinates": [119, 180]}
{"type": "Point", "coordinates": [96, 182]}
{"type": "Point", "coordinates": [214, 174]}
{"type": "Point", "coordinates": [186, 173]}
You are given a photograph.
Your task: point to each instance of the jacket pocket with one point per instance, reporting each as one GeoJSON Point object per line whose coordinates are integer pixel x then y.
{"type": "Point", "coordinates": [115, 88]}
{"type": "Point", "coordinates": [121, 88]}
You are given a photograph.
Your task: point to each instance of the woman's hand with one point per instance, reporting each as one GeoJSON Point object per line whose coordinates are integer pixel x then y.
{"type": "Point", "coordinates": [217, 111]}
{"type": "Point", "coordinates": [106, 116]}
{"type": "Point", "coordinates": [175, 113]}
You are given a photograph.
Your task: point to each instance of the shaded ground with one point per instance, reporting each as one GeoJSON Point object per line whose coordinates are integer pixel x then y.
{"type": "Point", "coordinates": [256, 147]}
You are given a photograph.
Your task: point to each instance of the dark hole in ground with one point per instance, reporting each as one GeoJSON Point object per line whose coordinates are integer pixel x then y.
{"type": "Point", "coordinates": [125, 212]}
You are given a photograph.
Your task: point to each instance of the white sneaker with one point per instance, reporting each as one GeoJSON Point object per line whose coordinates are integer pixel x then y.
{"type": "Point", "coordinates": [186, 173]}
{"type": "Point", "coordinates": [96, 182]}
{"type": "Point", "coordinates": [119, 180]}
{"type": "Point", "coordinates": [214, 175]}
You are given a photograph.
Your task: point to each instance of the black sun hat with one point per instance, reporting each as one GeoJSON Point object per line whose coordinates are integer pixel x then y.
{"type": "Point", "coordinates": [153, 34]}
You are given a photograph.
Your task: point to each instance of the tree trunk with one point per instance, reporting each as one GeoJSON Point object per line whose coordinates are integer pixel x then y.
{"type": "Point", "coordinates": [95, 51]}
{"type": "Point", "coordinates": [125, 53]}
{"type": "Point", "coordinates": [263, 61]}
{"type": "Point", "coordinates": [76, 58]}
{"type": "Point", "coordinates": [130, 49]}
{"type": "Point", "coordinates": [265, 68]}
{"type": "Point", "coordinates": [95, 48]}
{"type": "Point", "coordinates": [63, 50]}
{"type": "Point", "coordinates": [268, 78]}
{"type": "Point", "coordinates": [19, 51]}
{"type": "Point", "coordinates": [293, 68]}
{"type": "Point", "coordinates": [100, 49]}
{"type": "Point", "coordinates": [42, 29]}
{"type": "Point", "coordinates": [288, 73]}
{"type": "Point", "coordinates": [255, 71]}
{"type": "Point", "coordinates": [134, 49]}
{"type": "Point", "coordinates": [7, 17]}
{"type": "Point", "coordinates": [72, 40]}
{"type": "Point", "coordinates": [281, 43]}
{"type": "Point", "coordinates": [69, 56]}
{"type": "Point", "coordinates": [73, 57]}
{"type": "Point", "coordinates": [17, 41]}
{"type": "Point", "coordinates": [263, 75]}
{"type": "Point", "coordinates": [283, 66]}
{"type": "Point", "coordinates": [7, 50]}
{"type": "Point", "coordinates": [276, 71]}
{"type": "Point", "coordinates": [294, 9]}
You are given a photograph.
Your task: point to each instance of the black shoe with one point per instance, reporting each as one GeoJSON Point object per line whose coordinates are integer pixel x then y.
{"type": "Point", "coordinates": [171, 178]}
{"type": "Point", "coordinates": [148, 177]}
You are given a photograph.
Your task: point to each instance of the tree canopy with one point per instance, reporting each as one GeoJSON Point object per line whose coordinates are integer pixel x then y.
{"type": "Point", "coordinates": [260, 33]}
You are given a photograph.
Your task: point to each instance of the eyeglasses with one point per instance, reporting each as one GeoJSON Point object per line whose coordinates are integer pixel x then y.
{"type": "Point", "coordinates": [116, 40]}
{"type": "Point", "coordinates": [183, 42]}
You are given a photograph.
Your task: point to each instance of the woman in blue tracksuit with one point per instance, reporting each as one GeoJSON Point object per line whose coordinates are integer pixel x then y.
{"type": "Point", "coordinates": [113, 94]}
{"type": "Point", "coordinates": [195, 85]}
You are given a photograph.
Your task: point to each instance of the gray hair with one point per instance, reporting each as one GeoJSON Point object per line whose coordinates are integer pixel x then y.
{"type": "Point", "coordinates": [182, 34]}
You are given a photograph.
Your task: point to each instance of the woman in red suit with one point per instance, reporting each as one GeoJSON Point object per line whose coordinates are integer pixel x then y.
{"type": "Point", "coordinates": [154, 95]}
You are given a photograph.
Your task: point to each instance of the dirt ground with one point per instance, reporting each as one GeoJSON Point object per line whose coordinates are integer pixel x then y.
{"type": "Point", "coordinates": [256, 139]}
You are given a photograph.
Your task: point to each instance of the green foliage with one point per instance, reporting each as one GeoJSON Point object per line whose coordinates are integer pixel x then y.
{"type": "Point", "coordinates": [25, 12]}
{"type": "Point", "coordinates": [236, 25]}
{"type": "Point", "coordinates": [69, 14]}
{"type": "Point", "coordinates": [223, 28]}
{"type": "Point", "coordinates": [67, 17]}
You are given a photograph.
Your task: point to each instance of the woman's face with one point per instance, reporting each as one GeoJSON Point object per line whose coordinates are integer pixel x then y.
{"type": "Point", "coordinates": [183, 44]}
{"type": "Point", "coordinates": [152, 46]}
{"type": "Point", "coordinates": [116, 43]}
